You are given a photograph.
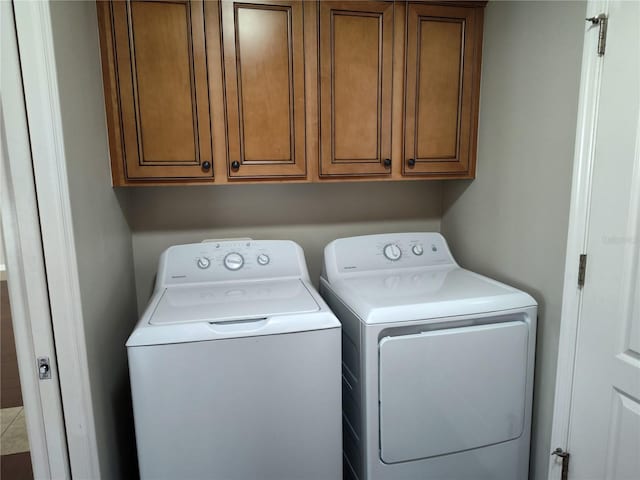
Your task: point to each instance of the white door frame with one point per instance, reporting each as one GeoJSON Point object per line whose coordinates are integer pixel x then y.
{"type": "Point", "coordinates": [27, 286]}
{"type": "Point", "coordinates": [51, 238]}
{"type": "Point", "coordinates": [584, 156]}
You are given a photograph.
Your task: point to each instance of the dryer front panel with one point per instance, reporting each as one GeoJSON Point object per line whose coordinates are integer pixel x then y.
{"type": "Point", "coordinates": [450, 390]}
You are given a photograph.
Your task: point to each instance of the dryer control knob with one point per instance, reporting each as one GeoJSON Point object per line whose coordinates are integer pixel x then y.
{"type": "Point", "coordinates": [392, 252]}
{"type": "Point", "coordinates": [263, 259]}
{"type": "Point", "coordinates": [203, 263]}
{"type": "Point", "coordinates": [417, 249]}
{"type": "Point", "coordinates": [233, 261]}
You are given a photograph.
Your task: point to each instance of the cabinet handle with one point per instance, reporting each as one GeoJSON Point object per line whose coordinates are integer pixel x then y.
{"type": "Point", "coordinates": [206, 166]}
{"type": "Point", "coordinates": [235, 165]}
{"type": "Point", "coordinates": [411, 162]}
{"type": "Point", "coordinates": [387, 162]}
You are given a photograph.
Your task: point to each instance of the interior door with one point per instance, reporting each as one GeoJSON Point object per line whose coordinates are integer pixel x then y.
{"type": "Point", "coordinates": [604, 432]}
{"type": "Point", "coordinates": [356, 68]}
{"type": "Point", "coordinates": [442, 83]}
{"type": "Point", "coordinates": [264, 84]}
{"type": "Point", "coordinates": [450, 390]}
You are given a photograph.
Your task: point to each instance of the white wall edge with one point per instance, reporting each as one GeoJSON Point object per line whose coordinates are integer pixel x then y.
{"type": "Point", "coordinates": [35, 38]}
{"type": "Point", "coordinates": [577, 235]}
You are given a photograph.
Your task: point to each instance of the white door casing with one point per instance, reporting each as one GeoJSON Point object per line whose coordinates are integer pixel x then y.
{"type": "Point", "coordinates": [597, 412]}
{"type": "Point", "coordinates": [25, 264]}
{"type": "Point", "coordinates": [33, 28]}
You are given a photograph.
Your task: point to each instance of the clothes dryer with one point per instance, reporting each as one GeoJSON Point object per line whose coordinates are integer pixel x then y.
{"type": "Point", "coordinates": [437, 362]}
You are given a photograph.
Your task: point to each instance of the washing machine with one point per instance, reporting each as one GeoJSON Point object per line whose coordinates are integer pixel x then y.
{"type": "Point", "coordinates": [235, 368]}
{"type": "Point", "coordinates": [437, 362]}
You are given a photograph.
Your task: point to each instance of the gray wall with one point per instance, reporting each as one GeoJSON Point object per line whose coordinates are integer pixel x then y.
{"type": "Point", "coordinates": [3, 258]}
{"type": "Point", "coordinates": [511, 222]}
{"type": "Point", "coordinates": [102, 236]}
{"type": "Point", "coordinates": [309, 214]}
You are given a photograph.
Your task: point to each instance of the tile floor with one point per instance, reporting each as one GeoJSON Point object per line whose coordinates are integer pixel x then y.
{"type": "Point", "coordinates": [14, 431]}
{"type": "Point", "coordinates": [15, 461]}
{"type": "Point", "coordinates": [10, 394]}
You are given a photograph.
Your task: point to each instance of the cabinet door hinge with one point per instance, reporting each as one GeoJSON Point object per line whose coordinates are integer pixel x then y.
{"type": "Point", "coordinates": [600, 20]}
{"type": "Point", "coordinates": [564, 456]}
{"type": "Point", "coordinates": [582, 269]}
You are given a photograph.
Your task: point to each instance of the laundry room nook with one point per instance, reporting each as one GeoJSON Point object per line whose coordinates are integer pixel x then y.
{"type": "Point", "coordinates": [323, 240]}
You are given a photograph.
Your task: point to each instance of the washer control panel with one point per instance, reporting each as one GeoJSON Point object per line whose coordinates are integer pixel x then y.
{"type": "Point", "coordinates": [231, 260]}
{"type": "Point", "coordinates": [385, 252]}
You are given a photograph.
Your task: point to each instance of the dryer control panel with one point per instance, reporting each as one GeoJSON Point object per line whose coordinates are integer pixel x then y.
{"type": "Point", "coordinates": [226, 261]}
{"type": "Point", "coordinates": [385, 252]}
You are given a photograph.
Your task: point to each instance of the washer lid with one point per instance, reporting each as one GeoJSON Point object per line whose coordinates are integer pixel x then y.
{"type": "Point", "coordinates": [426, 293]}
{"type": "Point", "coordinates": [216, 303]}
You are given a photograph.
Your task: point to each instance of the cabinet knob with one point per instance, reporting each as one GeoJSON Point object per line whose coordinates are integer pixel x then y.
{"type": "Point", "coordinates": [387, 162]}
{"type": "Point", "coordinates": [411, 162]}
{"type": "Point", "coordinates": [235, 165]}
{"type": "Point", "coordinates": [206, 166]}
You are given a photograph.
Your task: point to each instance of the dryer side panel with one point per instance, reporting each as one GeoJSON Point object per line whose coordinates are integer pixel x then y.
{"type": "Point", "coordinates": [352, 385]}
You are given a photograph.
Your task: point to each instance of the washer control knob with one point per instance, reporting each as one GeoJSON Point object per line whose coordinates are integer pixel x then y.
{"type": "Point", "coordinates": [417, 249]}
{"type": "Point", "coordinates": [392, 252]}
{"type": "Point", "coordinates": [203, 263]}
{"type": "Point", "coordinates": [233, 261]}
{"type": "Point", "coordinates": [263, 259]}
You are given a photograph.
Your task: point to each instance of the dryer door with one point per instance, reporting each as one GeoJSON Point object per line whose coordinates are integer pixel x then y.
{"type": "Point", "coordinates": [445, 391]}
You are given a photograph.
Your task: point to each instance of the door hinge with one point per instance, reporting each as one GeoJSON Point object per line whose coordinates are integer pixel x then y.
{"type": "Point", "coordinates": [44, 368]}
{"type": "Point", "coordinates": [564, 456]}
{"type": "Point", "coordinates": [582, 269]}
{"type": "Point", "coordinates": [600, 20]}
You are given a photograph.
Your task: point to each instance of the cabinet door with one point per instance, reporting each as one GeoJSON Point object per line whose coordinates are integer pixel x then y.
{"type": "Point", "coordinates": [264, 84]}
{"type": "Point", "coordinates": [356, 68]}
{"type": "Point", "coordinates": [442, 89]}
{"type": "Point", "coordinates": [155, 70]}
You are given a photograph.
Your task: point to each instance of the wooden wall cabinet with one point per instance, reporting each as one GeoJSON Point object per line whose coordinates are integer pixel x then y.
{"type": "Point", "coordinates": [285, 90]}
{"type": "Point", "coordinates": [356, 72]}
{"type": "Point", "coordinates": [264, 85]}
{"type": "Point", "coordinates": [156, 90]}
{"type": "Point", "coordinates": [442, 89]}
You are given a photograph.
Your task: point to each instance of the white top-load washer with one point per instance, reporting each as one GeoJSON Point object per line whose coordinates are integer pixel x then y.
{"type": "Point", "coordinates": [437, 362]}
{"type": "Point", "coordinates": [235, 367]}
